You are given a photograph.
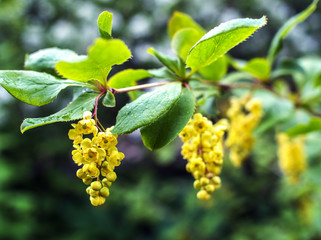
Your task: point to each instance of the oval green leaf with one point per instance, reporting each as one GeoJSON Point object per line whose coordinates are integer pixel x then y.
{"type": "Point", "coordinates": [288, 67]}
{"type": "Point", "coordinates": [109, 100]}
{"type": "Point", "coordinates": [313, 125]}
{"type": "Point", "coordinates": [128, 78]}
{"type": "Point", "coordinates": [147, 108]}
{"type": "Point", "coordinates": [184, 40]}
{"type": "Point", "coordinates": [73, 111]}
{"type": "Point", "coordinates": [45, 60]}
{"type": "Point", "coordinates": [221, 39]}
{"type": "Point", "coordinates": [259, 68]}
{"type": "Point", "coordinates": [34, 88]}
{"type": "Point", "coordinates": [176, 65]}
{"type": "Point", "coordinates": [104, 23]}
{"type": "Point", "coordinates": [101, 57]}
{"type": "Point", "coordinates": [180, 21]}
{"type": "Point", "coordinates": [169, 125]}
{"type": "Point", "coordinates": [162, 73]}
{"type": "Point", "coordinates": [216, 70]}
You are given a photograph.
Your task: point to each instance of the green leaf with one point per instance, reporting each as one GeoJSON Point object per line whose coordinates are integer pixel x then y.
{"type": "Point", "coordinates": [219, 40]}
{"type": "Point", "coordinates": [34, 88]}
{"type": "Point", "coordinates": [216, 70]}
{"type": "Point", "coordinates": [236, 77]}
{"type": "Point", "coordinates": [45, 60]}
{"type": "Point", "coordinates": [184, 40]}
{"type": "Point", "coordinates": [312, 126]}
{"type": "Point", "coordinates": [307, 81]}
{"type": "Point", "coordinates": [180, 21]}
{"type": "Point", "coordinates": [128, 78]}
{"type": "Point", "coordinates": [286, 28]}
{"type": "Point", "coordinates": [287, 67]}
{"type": "Point", "coordinates": [104, 22]}
{"type": "Point", "coordinates": [109, 100]}
{"type": "Point", "coordinates": [175, 65]}
{"type": "Point", "coordinates": [147, 108]}
{"type": "Point", "coordinates": [162, 73]}
{"type": "Point", "coordinates": [73, 111]}
{"type": "Point", "coordinates": [101, 57]}
{"type": "Point", "coordinates": [259, 68]}
{"type": "Point", "coordinates": [311, 68]}
{"type": "Point", "coordinates": [166, 128]}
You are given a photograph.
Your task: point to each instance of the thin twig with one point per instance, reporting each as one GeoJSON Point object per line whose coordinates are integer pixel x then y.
{"type": "Point", "coordinates": [98, 124]}
{"type": "Point", "coordinates": [143, 86]}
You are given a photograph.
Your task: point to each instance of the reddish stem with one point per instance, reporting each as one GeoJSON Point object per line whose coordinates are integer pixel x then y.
{"type": "Point", "coordinates": [187, 86]}
{"type": "Point", "coordinates": [96, 103]}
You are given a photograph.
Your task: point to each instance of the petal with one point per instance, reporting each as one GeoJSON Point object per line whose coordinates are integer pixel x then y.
{"type": "Point", "coordinates": [86, 143]}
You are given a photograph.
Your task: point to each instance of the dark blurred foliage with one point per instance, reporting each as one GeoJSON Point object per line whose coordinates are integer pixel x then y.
{"type": "Point", "coordinates": [153, 197]}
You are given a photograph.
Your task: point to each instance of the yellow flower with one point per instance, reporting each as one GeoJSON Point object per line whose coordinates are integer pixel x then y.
{"type": "Point", "coordinates": [106, 168]}
{"type": "Point", "coordinates": [115, 158]}
{"type": "Point", "coordinates": [91, 169]}
{"type": "Point", "coordinates": [86, 126]}
{"type": "Point", "coordinates": [74, 134]}
{"type": "Point", "coordinates": [203, 150]}
{"type": "Point", "coordinates": [244, 115]}
{"type": "Point", "coordinates": [105, 140]}
{"type": "Point", "coordinates": [77, 156]}
{"type": "Point", "coordinates": [197, 165]}
{"type": "Point", "coordinates": [91, 152]}
{"type": "Point", "coordinates": [98, 155]}
{"type": "Point", "coordinates": [292, 159]}
{"type": "Point", "coordinates": [187, 133]}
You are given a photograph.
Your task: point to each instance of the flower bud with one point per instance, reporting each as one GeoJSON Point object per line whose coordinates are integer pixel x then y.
{"type": "Point", "coordinates": [87, 115]}
{"type": "Point", "coordinates": [202, 194]}
{"type": "Point", "coordinates": [87, 180]}
{"type": "Point", "coordinates": [216, 181]}
{"type": "Point", "coordinates": [106, 183]}
{"type": "Point", "coordinates": [80, 174]}
{"type": "Point", "coordinates": [93, 193]}
{"type": "Point", "coordinates": [204, 181]}
{"type": "Point", "coordinates": [96, 201]}
{"type": "Point", "coordinates": [96, 185]}
{"type": "Point", "coordinates": [104, 192]}
{"type": "Point", "coordinates": [197, 184]}
{"type": "Point", "coordinates": [111, 176]}
{"type": "Point", "coordinates": [209, 188]}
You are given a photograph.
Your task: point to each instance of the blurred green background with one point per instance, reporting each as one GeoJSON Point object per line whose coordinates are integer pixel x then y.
{"type": "Point", "coordinates": [153, 197]}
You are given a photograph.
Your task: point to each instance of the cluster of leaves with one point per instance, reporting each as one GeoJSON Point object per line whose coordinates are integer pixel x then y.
{"type": "Point", "coordinates": [197, 75]}
{"type": "Point", "coordinates": [51, 70]}
{"type": "Point", "coordinates": [163, 210]}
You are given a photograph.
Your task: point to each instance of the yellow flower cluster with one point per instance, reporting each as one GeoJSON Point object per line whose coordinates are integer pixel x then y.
{"type": "Point", "coordinates": [203, 149]}
{"type": "Point", "coordinates": [97, 156]}
{"type": "Point", "coordinates": [244, 115]}
{"type": "Point", "coordinates": [292, 159]}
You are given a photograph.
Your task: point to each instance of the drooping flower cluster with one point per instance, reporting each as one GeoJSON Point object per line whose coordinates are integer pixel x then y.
{"type": "Point", "coordinates": [244, 114]}
{"type": "Point", "coordinates": [203, 150]}
{"type": "Point", "coordinates": [97, 156]}
{"type": "Point", "coordinates": [292, 159]}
